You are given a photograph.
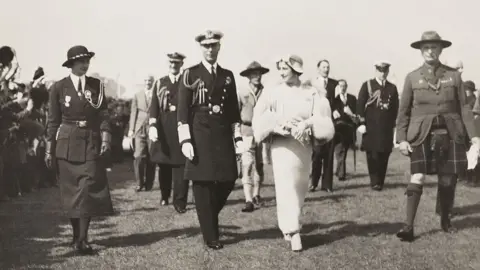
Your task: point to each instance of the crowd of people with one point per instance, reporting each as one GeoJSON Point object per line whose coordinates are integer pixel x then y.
{"type": "Point", "coordinates": [194, 124]}
{"type": "Point", "coordinates": [23, 116]}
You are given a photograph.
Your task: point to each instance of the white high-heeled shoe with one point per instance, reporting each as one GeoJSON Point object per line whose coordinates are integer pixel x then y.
{"type": "Point", "coordinates": [287, 237]}
{"type": "Point", "coordinates": [296, 242]}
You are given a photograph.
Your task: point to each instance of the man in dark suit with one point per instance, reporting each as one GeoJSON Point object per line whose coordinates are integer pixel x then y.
{"type": "Point", "coordinates": [344, 115]}
{"type": "Point", "coordinates": [377, 109]}
{"type": "Point", "coordinates": [209, 131]}
{"type": "Point", "coordinates": [165, 149]}
{"type": "Point", "coordinates": [143, 167]}
{"type": "Point", "coordinates": [322, 157]}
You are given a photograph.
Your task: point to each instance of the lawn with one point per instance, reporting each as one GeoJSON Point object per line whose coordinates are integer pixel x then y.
{"type": "Point", "coordinates": [353, 228]}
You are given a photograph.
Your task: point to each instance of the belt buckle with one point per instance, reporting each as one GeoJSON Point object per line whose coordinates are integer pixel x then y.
{"type": "Point", "coordinates": [82, 124]}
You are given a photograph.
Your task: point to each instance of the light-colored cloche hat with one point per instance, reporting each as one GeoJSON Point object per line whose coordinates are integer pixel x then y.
{"type": "Point", "coordinates": [295, 62]}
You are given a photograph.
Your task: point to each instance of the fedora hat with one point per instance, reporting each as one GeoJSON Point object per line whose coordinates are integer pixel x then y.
{"type": "Point", "coordinates": [77, 52]}
{"type": "Point", "coordinates": [295, 62]}
{"type": "Point", "coordinates": [428, 37]}
{"type": "Point", "coordinates": [254, 66]}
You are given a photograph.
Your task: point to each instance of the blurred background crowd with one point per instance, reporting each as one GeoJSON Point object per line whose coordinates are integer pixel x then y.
{"type": "Point", "coordinates": [23, 116]}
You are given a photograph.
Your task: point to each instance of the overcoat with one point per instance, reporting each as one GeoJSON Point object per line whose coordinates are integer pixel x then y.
{"type": "Point", "coordinates": [210, 108]}
{"type": "Point", "coordinates": [166, 150]}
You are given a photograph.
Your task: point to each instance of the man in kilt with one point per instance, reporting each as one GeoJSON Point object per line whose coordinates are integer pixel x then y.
{"type": "Point", "coordinates": [433, 125]}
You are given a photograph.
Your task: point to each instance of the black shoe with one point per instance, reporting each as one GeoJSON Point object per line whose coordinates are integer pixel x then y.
{"type": "Point", "coordinates": [215, 245]}
{"type": "Point", "coordinates": [377, 188]}
{"type": "Point", "coordinates": [257, 200]}
{"type": "Point", "coordinates": [248, 207]}
{"type": "Point", "coordinates": [447, 225]}
{"type": "Point", "coordinates": [83, 248]}
{"type": "Point", "coordinates": [343, 178]}
{"type": "Point", "coordinates": [312, 188]}
{"type": "Point", "coordinates": [406, 234]}
{"type": "Point", "coordinates": [140, 188]}
{"type": "Point", "coordinates": [163, 202]}
{"type": "Point", "coordinates": [328, 190]}
{"type": "Point", "coordinates": [179, 209]}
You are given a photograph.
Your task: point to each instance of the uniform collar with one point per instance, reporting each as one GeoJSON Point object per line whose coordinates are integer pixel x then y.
{"type": "Point", "coordinates": [174, 78]}
{"type": "Point", "coordinates": [208, 66]}
{"type": "Point", "coordinates": [380, 82]}
{"type": "Point", "coordinates": [75, 79]}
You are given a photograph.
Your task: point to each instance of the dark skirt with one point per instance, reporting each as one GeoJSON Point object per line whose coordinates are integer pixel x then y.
{"type": "Point", "coordinates": [423, 159]}
{"type": "Point", "coordinates": [84, 188]}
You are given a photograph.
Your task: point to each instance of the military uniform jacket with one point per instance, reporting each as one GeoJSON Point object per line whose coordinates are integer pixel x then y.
{"type": "Point", "coordinates": [210, 109]}
{"type": "Point", "coordinates": [429, 92]}
{"type": "Point", "coordinates": [379, 116]}
{"type": "Point", "coordinates": [74, 142]}
{"type": "Point", "coordinates": [163, 108]}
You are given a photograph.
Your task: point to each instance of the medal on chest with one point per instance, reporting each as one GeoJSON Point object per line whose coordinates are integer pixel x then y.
{"type": "Point", "coordinates": [67, 101]}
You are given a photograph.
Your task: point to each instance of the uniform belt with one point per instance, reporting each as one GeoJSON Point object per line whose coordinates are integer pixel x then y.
{"type": "Point", "coordinates": [248, 124]}
{"type": "Point", "coordinates": [82, 123]}
{"type": "Point", "coordinates": [212, 109]}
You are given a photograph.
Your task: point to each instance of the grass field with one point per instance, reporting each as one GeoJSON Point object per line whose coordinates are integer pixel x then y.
{"type": "Point", "coordinates": [353, 228]}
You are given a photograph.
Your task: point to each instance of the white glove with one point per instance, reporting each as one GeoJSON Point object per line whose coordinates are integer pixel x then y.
{"type": "Point", "coordinates": [152, 134]}
{"type": "Point", "coordinates": [130, 133]}
{"type": "Point", "coordinates": [240, 147]}
{"type": "Point", "coordinates": [347, 111]}
{"type": "Point", "coordinates": [362, 129]}
{"type": "Point", "coordinates": [187, 150]}
{"type": "Point", "coordinates": [281, 130]}
{"type": "Point", "coordinates": [336, 114]}
{"type": "Point", "coordinates": [301, 131]}
{"type": "Point", "coordinates": [472, 156]}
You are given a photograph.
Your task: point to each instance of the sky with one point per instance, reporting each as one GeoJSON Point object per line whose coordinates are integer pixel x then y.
{"type": "Point", "coordinates": [131, 38]}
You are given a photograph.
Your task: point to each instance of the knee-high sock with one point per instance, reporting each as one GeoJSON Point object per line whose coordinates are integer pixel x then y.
{"type": "Point", "coordinates": [84, 225]}
{"type": "Point", "coordinates": [414, 193]}
{"type": "Point", "coordinates": [75, 228]}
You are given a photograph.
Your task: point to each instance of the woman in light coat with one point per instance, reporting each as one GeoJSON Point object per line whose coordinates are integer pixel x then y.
{"type": "Point", "coordinates": [290, 116]}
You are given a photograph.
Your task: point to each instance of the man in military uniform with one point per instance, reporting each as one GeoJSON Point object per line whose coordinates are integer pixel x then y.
{"type": "Point", "coordinates": [322, 159]}
{"type": "Point", "coordinates": [377, 109]}
{"type": "Point", "coordinates": [252, 160]}
{"type": "Point", "coordinates": [139, 111]}
{"type": "Point", "coordinates": [344, 115]}
{"type": "Point", "coordinates": [209, 131]}
{"type": "Point", "coordinates": [166, 150]}
{"type": "Point", "coordinates": [434, 123]}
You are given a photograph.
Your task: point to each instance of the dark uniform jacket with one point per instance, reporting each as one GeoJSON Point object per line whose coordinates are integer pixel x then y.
{"type": "Point", "coordinates": [73, 142]}
{"type": "Point", "coordinates": [163, 108]}
{"type": "Point", "coordinates": [345, 126]}
{"type": "Point", "coordinates": [210, 109]}
{"type": "Point", "coordinates": [379, 116]}
{"type": "Point", "coordinates": [420, 103]}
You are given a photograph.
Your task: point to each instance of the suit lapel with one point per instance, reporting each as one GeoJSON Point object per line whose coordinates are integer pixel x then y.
{"type": "Point", "coordinates": [220, 79]}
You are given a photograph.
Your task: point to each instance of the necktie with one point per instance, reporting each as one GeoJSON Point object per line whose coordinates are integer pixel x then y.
{"type": "Point", "coordinates": [79, 88]}
{"type": "Point", "coordinates": [213, 73]}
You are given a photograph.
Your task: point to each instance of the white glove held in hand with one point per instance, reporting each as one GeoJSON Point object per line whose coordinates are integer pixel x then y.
{"type": "Point", "coordinates": [152, 134]}
{"type": "Point", "coordinates": [187, 150]}
{"type": "Point", "coordinates": [362, 129]}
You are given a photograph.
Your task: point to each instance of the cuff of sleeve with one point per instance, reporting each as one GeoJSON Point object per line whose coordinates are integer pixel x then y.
{"type": "Point", "coordinates": [185, 141]}
{"type": "Point", "coordinates": [152, 121]}
{"type": "Point", "coordinates": [238, 139]}
{"type": "Point", "coordinates": [183, 133]}
{"type": "Point", "coordinates": [236, 130]}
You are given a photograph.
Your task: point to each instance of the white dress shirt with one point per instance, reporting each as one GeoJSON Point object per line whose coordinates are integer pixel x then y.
{"type": "Point", "coordinates": [208, 66]}
{"type": "Point", "coordinates": [381, 83]}
{"type": "Point", "coordinates": [174, 78]}
{"type": "Point", "coordinates": [75, 79]}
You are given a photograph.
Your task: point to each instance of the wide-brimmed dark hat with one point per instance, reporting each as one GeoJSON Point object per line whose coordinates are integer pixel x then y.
{"type": "Point", "coordinates": [469, 85]}
{"type": "Point", "coordinates": [75, 53]}
{"type": "Point", "coordinates": [254, 66]}
{"type": "Point", "coordinates": [428, 37]}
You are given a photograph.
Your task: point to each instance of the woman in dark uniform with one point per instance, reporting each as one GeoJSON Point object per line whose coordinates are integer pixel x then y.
{"type": "Point", "coordinates": [433, 125]}
{"type": "Point", "coordinates": [78, 136]}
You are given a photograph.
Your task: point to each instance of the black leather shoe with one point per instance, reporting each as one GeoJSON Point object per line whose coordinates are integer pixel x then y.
{"type": "Point", "coordinates": [248, 207]}
{"type": "Point", "coordinates": [447, 225]}
{"type": "Point", "coordinates": [377, 188]}
{"type": "Point", "coordinates": [140, 188]}
{"type": "Point", "coordinates": [343, 178]}
{"type": "Point", "coordinates": [215, 245]}
{"type": "Point", "coordinates": [406, 234]}
{"type": "Point", "coordinates": [164, 202]}
{"type": "Point", "coordinates": [179, 209]}
{"type": "Point", "coordinates": [257, 200]}
{"type": "Point", "coordinates": [312, 188]}
{"type": "Point", "coordinates": [83, 248]}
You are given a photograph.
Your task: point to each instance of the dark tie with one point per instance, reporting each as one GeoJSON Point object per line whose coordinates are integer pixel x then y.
{"type": "Point", "coordinates": [214, 76]}
{"type": "Point", "coordinates": [79, 87]}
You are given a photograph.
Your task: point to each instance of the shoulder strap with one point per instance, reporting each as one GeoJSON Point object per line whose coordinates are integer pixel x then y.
{"type": "Point", "coordinates": [369, 87]}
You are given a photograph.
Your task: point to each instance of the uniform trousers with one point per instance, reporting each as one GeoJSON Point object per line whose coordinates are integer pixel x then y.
{"type": "Point", "coordinates": [210, 198]}
{"type": "Point", "coordinates": [322, 159]}
{"type": "Point", "coordinates": [377, 167]}
{"type": "Point", "coordinates": [176, 175]}
{"type": "Point", "coordinates": [341, 150]}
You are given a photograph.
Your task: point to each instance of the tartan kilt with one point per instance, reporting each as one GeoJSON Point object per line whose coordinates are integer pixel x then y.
{"type": "Point", "coordinates": [423, 160]}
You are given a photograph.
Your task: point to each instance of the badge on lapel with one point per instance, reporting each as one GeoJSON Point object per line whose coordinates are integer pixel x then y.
{"type": "Point", "coordinates": [228, 81]}
{"type": "Point", "coordinates": [67, 101]}
{"type": "Point", "coordinates": [88, 94]}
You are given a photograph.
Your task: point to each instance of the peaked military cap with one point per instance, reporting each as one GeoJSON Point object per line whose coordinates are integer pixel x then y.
{"type": "Point", "coordinates": [430, 36]}
{"type": "Point", "coordinates": [176, 57]}
{"type": "Point", "coordinates": [209, 37]}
